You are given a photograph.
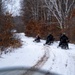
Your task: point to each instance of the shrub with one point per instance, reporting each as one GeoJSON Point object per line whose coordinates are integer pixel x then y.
{"type": "Point", "coordinates": [6, 35]}
{"type": "Point", "coordinates": [33, 28]}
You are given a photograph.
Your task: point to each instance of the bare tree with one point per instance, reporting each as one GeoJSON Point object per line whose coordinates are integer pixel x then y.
{"type": "Point", "coordinates": [35, 10]}
{"type": "Point", "coordinates": [61, 9]}
{"type": "Point", "coordinates": [0, 14]}
{"type": "Point", "coordinates": [0, 6]}
{"type": "Point", "coordinates": [42, 10]}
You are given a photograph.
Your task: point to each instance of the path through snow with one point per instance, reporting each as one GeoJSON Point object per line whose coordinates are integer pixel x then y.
{"type": "Point", "coordinates": [48, 58]}
{"type": "Point", "coordinates": [61, 61]}
{"type": "Point", "coordinates": [40, 62]}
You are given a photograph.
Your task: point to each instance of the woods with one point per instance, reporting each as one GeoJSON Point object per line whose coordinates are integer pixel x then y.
{"type": "Point", "coordinates": [56, 14]}
{"type": "Point", "coordinates": [7, 38]}
{"type": "Point", "coordinates": [39, 17]}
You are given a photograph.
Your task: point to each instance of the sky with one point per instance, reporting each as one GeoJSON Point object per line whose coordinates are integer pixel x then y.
{"type": "Point", "coordinates": [13, 6]}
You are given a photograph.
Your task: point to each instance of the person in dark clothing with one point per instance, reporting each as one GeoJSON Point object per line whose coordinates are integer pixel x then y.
{"type": "Point", "coordinates": [37, 39]}
{"type": "Point", "coordinates": [49, 39]}
{"type": "Point", "coordinates": [64, 41]}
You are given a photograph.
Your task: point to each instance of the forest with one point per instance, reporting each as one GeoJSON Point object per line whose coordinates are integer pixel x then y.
{"type": "Point", "coordinates": [45, 16]}
{"type": "Point", "coordinates": [37, 17]}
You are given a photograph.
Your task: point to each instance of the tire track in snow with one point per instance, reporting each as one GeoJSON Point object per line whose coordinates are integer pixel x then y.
{"type": "Point", "coordinates": [40, 62]}
{"type": "Point", "coordinates": [65, 61]}
{"type": "Point", "coordinates": [52, 59]}
{"type": "Point", "coordinates": [59, 59]}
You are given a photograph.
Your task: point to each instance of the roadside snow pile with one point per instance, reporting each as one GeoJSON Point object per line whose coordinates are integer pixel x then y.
{"type": "Point", "coordinates": [26, 56]}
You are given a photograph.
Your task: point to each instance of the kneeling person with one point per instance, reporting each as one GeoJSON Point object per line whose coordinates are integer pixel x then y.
{"type": "Point", "coordinates": [64, 41]}
{"type": "Point", "coordinates": [37, 39]}
{"type": "Point", "coordinates": [49, 39]}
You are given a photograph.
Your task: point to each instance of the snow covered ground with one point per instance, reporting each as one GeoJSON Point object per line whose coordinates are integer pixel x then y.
{"type": "Point", "coordinates": [36, 55]}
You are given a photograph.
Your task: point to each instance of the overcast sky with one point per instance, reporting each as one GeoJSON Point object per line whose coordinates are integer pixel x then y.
{"type": "Point", "coordinates": [13, 6]}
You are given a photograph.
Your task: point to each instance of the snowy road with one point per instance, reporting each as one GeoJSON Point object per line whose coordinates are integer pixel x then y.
{"type": "Point", "coordinates": [40, 62]}
{"type": "Point", "coordinates": [65, 62]}
{"type": "Point", "coordinates": [61, 61]}
{"type": "Point", "coordinates": [36, 55]}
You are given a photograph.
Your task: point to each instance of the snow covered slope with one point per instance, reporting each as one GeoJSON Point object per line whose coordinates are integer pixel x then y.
{"type": "Point", "coordinates": [36, 55]}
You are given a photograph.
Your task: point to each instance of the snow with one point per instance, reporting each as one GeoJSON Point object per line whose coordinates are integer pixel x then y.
{"type": "Point", "coordinates": [57, 60]}
{"type": "Point", "coordinates": [26, 56]}
{"type": "Point", "coordinates": [61, 61]}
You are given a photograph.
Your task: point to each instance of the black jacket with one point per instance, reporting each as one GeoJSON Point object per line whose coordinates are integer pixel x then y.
{"type": "Point", "coordinates": [64, 39]}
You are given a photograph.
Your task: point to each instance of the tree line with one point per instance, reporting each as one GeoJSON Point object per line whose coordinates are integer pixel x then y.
{"type": "Point", "coordinates": [44, 16]}
{"type": "Point", "coordinates": [51, 13]}
{"type": "Point", "coordinates": [7, 38]}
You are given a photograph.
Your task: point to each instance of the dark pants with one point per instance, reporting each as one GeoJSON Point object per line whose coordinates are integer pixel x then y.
{"type": "Point", "coordinates": [36, 40]}
{"type": "Point", "coordinates": [49, 41]}
{"type": "Point", "coordinates": [64, 45]}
